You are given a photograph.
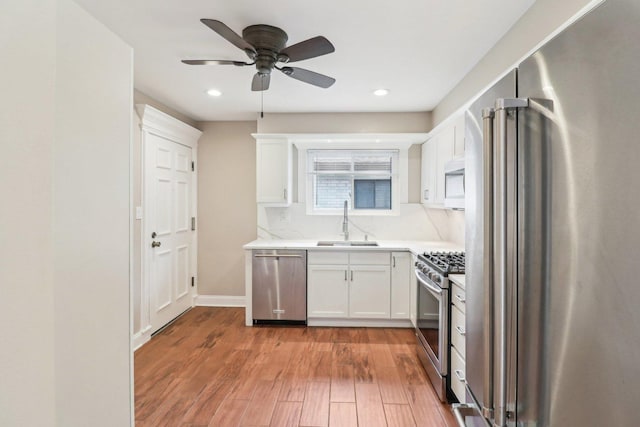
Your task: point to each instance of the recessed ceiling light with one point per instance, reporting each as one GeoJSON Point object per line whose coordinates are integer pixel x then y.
{"type": "Point", "coordinates": [380, 92]}
{"type": "Point", "coordinates": [214, 92]}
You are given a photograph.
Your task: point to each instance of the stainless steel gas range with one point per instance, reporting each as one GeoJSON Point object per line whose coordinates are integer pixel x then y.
{"type": "Point", "coordinates": [433, 332]}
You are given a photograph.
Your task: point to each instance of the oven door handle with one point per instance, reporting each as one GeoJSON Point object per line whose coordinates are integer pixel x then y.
{"type": "Point", "coordinates": [435, 289]}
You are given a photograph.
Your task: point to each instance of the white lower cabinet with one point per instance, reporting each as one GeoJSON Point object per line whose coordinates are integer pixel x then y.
{"type": "Point", "coordinates": [369, 296]}
{"type": "Point", "coordinates": [327, 291]}
{"type": "Point", "coordinates": [400, 285]}
{"type": "Point", "coordinates": [457, 375]}
{"type": "Point", "coordinates": [458, 345]}
{"type": "Point", "coordinates": [413, 293]}
{"type": "Point", "coordinates": [344, 284]}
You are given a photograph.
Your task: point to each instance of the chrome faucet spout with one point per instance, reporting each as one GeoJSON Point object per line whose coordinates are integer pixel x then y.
{"type": "Point", "coordinates": [345, 221]}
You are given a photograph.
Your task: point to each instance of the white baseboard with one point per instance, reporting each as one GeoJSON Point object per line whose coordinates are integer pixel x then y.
{"type": "Point", "coordinates": [141, 337]}
{"type": "Point", "coordinates": [220, 301]}
{"type": "Point", "coordinates": [354, 323]}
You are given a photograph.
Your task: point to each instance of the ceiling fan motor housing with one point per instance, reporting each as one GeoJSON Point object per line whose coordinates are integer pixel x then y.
{"type": "Point", "coordinates": [268, 42]}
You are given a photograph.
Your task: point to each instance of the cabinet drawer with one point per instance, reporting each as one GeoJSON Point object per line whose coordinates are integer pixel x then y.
{"type": "Point", "coordinates": [457, 296]}
{"type": "Point", "coordinates": [457, 375]}
{"type": "Point", "coordinates": [458, 330]}
{"type": "Point", "coordinates": [327, 257]}
{"type": "Point", "coordinates": [370, 258]}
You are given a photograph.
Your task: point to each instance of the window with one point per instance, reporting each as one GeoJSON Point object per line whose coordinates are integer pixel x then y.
{"type": "Point", "coordinates": [365, 178]}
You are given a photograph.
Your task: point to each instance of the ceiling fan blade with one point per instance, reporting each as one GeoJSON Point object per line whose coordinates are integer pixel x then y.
{"type": "Point", "coordinates": [260, 82]}
{"type": "Point", "coordinates": [228, 34]}
{"type": "Point", "coordinates": [215, 62]}
{"type": "Point", "coordinates": [311, 48]}
{"type": "Point", "coordinates": [310, 77]}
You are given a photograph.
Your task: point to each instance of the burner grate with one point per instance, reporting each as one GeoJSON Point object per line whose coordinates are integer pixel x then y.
{"type": "Point", "coordinates": [446, 262]}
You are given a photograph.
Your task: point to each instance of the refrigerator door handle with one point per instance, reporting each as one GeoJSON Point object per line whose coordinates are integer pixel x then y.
{"type": "Point", "coordinates": [488, 115]}
{"type": "Point", "coordinates": [502, 203]}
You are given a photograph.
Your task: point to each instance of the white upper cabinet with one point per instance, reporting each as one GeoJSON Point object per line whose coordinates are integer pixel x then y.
{"type": "Point", "coordinates": [273, 172]}
{"type": "Point", "coordinates": [446, 144]}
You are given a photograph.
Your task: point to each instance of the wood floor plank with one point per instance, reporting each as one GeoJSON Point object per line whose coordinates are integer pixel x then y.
{"type": "Point", "coordinates": [286, 414]}
{"type": "Point", "coordinates": [399, 416]}
{"type": "Point", "coordinates": [424, 406]}
{"type": "Point", "coordinates": [208, 368]}
{"type": "Point", "coordinates": [363, 369]}
{"type": "Point", "coordinates": [342, 384]}
{"type": "Point", "coordinates": [229, 414]}
{"type": "Point", "coordinates": [315, 409]}
{"type": "Point", "coordinates": [391, 388]}
{"type": "Point", "coordinates": [292, 390]}
{"type": "Point", "coordinates": [260, 409]}
{"type": "Point", "coordinates": [343, 414]}
{"type": "Point", "coordinates": [369, 405]}
{"type": "Point", "coordinates": [207, 403]}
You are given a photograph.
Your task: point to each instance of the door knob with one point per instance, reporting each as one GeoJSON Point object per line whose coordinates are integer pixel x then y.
{"type": "Point", "coordinates": [155, 244]}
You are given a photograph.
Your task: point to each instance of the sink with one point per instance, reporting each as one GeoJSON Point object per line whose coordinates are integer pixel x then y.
{"type": "Point", "coordinates": [347, 243]}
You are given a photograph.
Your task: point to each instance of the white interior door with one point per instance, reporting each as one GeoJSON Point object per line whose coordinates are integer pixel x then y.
{"type": "Point", "coordinates": [169, 238]}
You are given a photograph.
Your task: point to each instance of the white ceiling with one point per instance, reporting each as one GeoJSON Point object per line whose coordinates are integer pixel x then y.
{"type": "Point", "coordinates": [418, 49]}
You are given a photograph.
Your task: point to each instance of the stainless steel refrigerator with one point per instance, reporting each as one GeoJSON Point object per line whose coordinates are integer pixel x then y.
{"type": "Point", "coordinates": [553, 233]}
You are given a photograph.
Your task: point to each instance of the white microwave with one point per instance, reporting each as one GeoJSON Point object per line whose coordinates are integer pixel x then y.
{"type": "Point", "coordinates": [454, 184]}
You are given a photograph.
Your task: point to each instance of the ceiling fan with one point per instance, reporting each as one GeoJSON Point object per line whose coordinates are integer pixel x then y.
{"type": "Point", "coordinates": [265, 47]}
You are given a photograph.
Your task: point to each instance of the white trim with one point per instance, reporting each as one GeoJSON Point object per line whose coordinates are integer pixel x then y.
{"type": "Point", "coordinates": [141, 338]}
{"type": "Point", "coordinates": [220, 301]}
{"type": "Point", "coordinates": [366, 323]}
{"type": "Point", "coordinates": [347, 140]}
{"type": "Point", "coordinates": [153, 119]}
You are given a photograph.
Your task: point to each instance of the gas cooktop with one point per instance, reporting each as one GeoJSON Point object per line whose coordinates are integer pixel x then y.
{"type": "Point", "coordinates": [445, 262]}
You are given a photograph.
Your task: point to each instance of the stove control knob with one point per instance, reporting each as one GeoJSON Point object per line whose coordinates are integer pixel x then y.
{"type": "Point", "coordinates": [437, 278]}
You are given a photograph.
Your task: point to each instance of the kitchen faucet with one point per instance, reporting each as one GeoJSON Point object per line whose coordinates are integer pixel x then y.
{"type": "Point", "coordinates": [345, 222]}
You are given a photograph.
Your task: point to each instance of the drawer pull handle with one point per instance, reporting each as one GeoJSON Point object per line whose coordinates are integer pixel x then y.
{"type": "Point", "coordinates": [460, 330]}
{"type": "Point", "coordinates": [460, 298]}
{"type": "Point", "coordinates": [460, 375]}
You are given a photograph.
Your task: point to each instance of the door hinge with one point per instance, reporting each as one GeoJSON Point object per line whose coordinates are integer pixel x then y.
{"type": "Point", "coordinates": [193, 281]}
{"type": "Point", "coordinates": [193, 223]}
{"type": "Point", "coordinates": [193, 166]}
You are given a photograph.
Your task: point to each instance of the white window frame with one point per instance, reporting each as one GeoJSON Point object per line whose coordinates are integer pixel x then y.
{"type": "Point", "coordinates": [395, 182]}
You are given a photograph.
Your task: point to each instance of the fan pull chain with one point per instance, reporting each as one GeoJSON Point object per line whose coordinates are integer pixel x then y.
{"type": "Point", "coordinates": [262, 100]}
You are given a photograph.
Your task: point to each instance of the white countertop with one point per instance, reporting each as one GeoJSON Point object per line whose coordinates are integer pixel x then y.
{"type": "Point", "coordinates": [415, 246]}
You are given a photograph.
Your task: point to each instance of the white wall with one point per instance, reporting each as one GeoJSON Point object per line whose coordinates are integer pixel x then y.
{"type": "Point", "coordinates": [91, 222]}
{"type": "Point", "coordinates": [226, 205]}
{"type": "Point", "coordinates": [542, 19]}
{"type": "Point", "coordinates": [27, 31]}
{"type": "Point", "coordinates": [64, 258]}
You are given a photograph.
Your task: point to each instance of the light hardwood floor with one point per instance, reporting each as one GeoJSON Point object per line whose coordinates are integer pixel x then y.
{"type": "Point", "coordinates": [208, 369]}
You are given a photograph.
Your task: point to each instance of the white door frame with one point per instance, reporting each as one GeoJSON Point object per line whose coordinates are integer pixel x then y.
{"type": "Point", "coordinates": [155, 122]}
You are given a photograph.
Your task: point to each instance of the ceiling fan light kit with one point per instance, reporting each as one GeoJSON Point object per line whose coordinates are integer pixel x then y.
{"type": "Point", "coordinates": [265, 45]}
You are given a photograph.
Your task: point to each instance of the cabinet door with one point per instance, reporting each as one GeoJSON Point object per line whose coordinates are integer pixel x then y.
{"type": "Point", "coordinates": [327, 291]}
{"type": "Point", "coordinates": [413, 293]}
{"type": "Point", "coordinates": [369, 293]}
{"type": "Point", "coordinates": [446, 141]}
{"type": "Point", "coordinates": [428, 172]}
{"type": "Point", "coordinates": [273, 172]}
{"type": "Point", "coordinates": [400, 285]}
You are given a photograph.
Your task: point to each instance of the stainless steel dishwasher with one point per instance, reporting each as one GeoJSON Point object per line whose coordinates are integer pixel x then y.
{"type": "Point", "coordinates": [279, 287]}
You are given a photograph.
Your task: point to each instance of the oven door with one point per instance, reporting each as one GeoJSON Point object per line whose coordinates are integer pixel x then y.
{"type": "Point", "coordinates": [433, 322]}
